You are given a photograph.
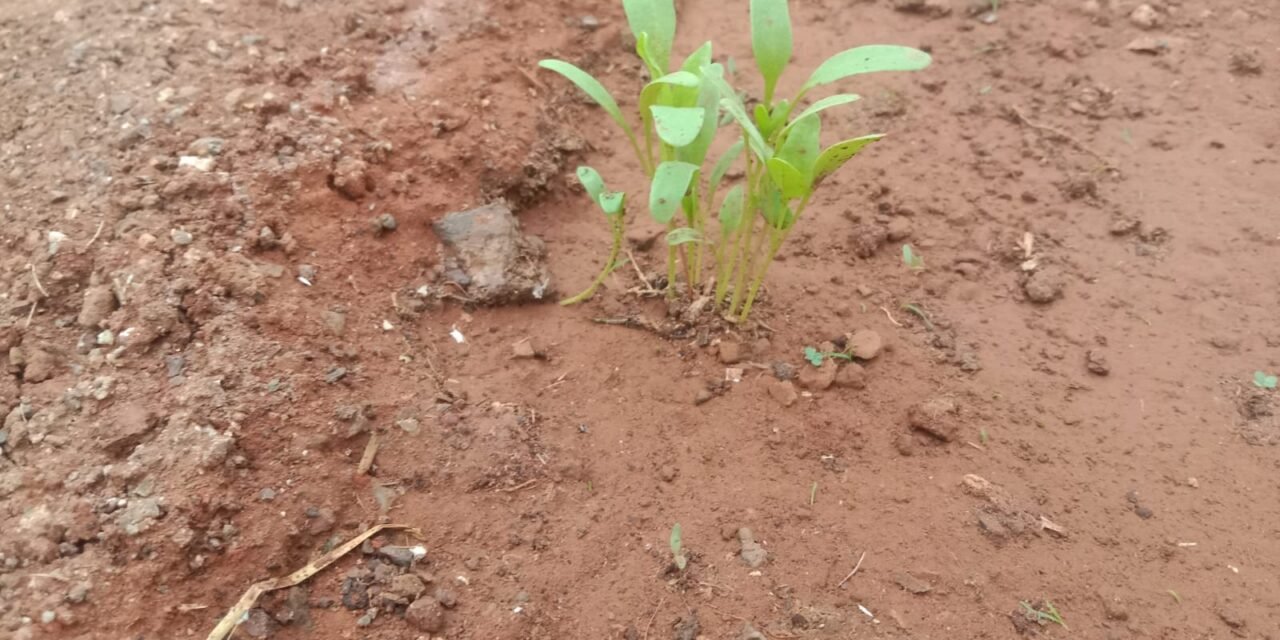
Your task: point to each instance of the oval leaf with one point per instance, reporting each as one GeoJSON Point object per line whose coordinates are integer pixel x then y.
{"type": "Point", "coordinates": [683, 235]}
{"type": "Point", "coordinates": [867, 59]}
{"type": "Point", "coordinates": [800, 148]}
{"type": "Point", "coordinates": [677, 126]}
{"type": "Point", "coordinates": [839, 153]}
{"type": "Point", "coordinates": [612, 202]}
{"type": "Point", "coordinates": [592, 182]}
{"type": "Point", "coordinates": [591, 87]}
{"type": "Point", "coordinates": [770, 41]}
{"type": "Point", "coordinates": [657, 19]}
{"type": "Point", "coordinates": [670, 182]}
{"type": "Point", "coordinates": [790, 180]}
{"type": "Point", "coordinates": [709, 101]}
{"type": "Point", "coordinates": [822, 105]}
{"type": "Point", "coordinates": [731, 209]}
{"type": "Point", "coordinates": [698, 59]}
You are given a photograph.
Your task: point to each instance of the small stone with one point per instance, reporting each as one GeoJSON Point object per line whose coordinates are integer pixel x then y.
{"type": "Point", "coordinates": [819, 378]}
{"type": "Point", "coordinates": [749, 633]}
{"type": "Point", "coordinates": [446, 598]}
{"type": "Point", "coordinates": [1044, 286]}
{"type": "Point", "coordinates": [367, 619]}
{"type": "Point", "coordinates": [350, 177]}
{"type": "Point", "coordinates": [992, 524]}
{"type": "Point", "coordinates": [258, 624]}
{"type": "Point", "coordinates": [335, 374]}
{"type": "Point", "coordinates": [851, 376]}
{"type": "Point", "coordinates": [1096, 362]}
{"type": "Point", "coordinates": [206, 147]}
{"type": "Point", "coordinates": [397, 555]}
{"type": "Point", "coordinates": [783, 370]}
{"type": "Point", "coordinates": [731, 352]}
{"type": "Point", "coordinates": [911, 583]}
{"type": "Point", "coordinates": [173, 365]}
{"type": "Point", "coordinates": [1144, 17]}
{"type": "Point", "coordinates": [181, 237]}
{"type": "Point", "coordinates": [1148, 44]}
{"type": "Point", "coordinates": [668, 473]}
{"type": "Point", "coordinates": [78, 593]}
{"type": "Point", "coordinates": [267, 495]}
{"type": "Point", "coordinates": [48, 616]}
{"type": "Point", "coordinates": [320, 521]}
{"type": "Point", "coordinates": [307, 272]}
{"type": "Point", "coordinates": [384, 223]}
{"type": "Point", "coordinates": [199, 163]}
{"type": "Point", "coordinates": [1144, 512]}
{"type": "Point", "coordinates": [905, 444]}
{"type": "Point", "coordinates": [425, 614]}
{"type": "Point", "coordinates": [936, 417]}
{"type": "Point", "coordinates": [407, 586]}
{"type": "Point", "coordinates": [783, 391]}
{"type": "Point", "coordinates": [589, 23]}
{"type": "Point", "coordinates": [751, 553]}
{"type": "Point", "coordinates": [524, 350]}
{"type": "Point", "coordinates": [702, 397]}
{"type": "Point", "coordinates": [99, 302]}
{"type": "Point", "coordinates": [864, 344]}
{"type": "Point", "coordinates": [899, 229]}
{"type": "Point", "coordinates": [1231, 618]}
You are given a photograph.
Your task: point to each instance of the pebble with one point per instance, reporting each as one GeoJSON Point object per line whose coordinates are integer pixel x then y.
{"type": "Point", "coordinates": [181, 237]}
{"type": "Point", "coordinates": [335, 374]}
{"type": "Point", "coordinates": [173, 365]}
{"type": "Point", "coordinates": [865, 344]}
{"type": "Point", "coordinates": [397, 555]}
{"type": "Point", "coordinates": [1144, 17]}
{"type": "Point", "coordinates": [267, 495]}
{"type": "Point", "coordinates": [425, 614]}
{"type": "Point", "coordinates": [911, 583]}
{"type": "Point", "coordinates": [99, 302]}
{"type": "Point", "coordinates": [589, 23]}
{"type": "Point", "coordinates": [751, 553]}
{"type": "Point", "coordinates": [1096, 362]}
{"type": "Point", "coordinates": [384, 223]}
{"type": "Point", "coordinates": [410, 426]}
{"type": "Point", "coordinates": [668, 473]}
{"type": "Point", "coordinates": [307, 272]}
{"type": "Point", "coordinates": [936, 417]}
{"type": "Point", "coordinates": [783, 391]}
{"type": "Point", "coordinates": [367, 619]}
{"type": "Point", "coordinates": [78, 593]}
{"type": "Point", "coordinates": [1044, 286]}
{"type": "Point", "coordinates": [783, 371]}
{"type": "Point", "coordinates": [48, 616]}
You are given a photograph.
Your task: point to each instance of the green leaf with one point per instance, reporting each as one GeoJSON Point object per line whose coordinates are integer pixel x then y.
{"type": "Point", "coordinates": [670, 182]}
{"type": "Point", "coordinates": [866, 59]}
{"type": "Point", "coordinates": [683, 235]}
{"type": "Point", "coordinates": [770, 41]}
{"type": "Point", "coordinates": [772, 207]}
{"type": "Point", "coordinates": [912, 259]}
{"type": "Point", "coordinates": [761, 116]}
{"type": "Point", "coordinates": [677, 126]}
{"type": "Point", "coordinates": [723, 164]}
{"type": "Point", "coordinates": [642, 50]}
{"type": "Point", "coordinates": [591, 87]}
{"type": "Point", "coordinates": [813, 356]}
{"type": "Point", "coordinates": [612, 202]}
{"type": "Point", "coordinates": [836, 155]}
{"type": "Point", "coordinates": [709, 101]}
{"type": "Point", "coordinates": [822, 105]}
{"type": "Point", "coordinates": [677, 547]}
{"type": "Point", "coordinates": [1264, 381]}
{"type": "Point", "coordinates": [731, 209]}
{"type": "Point", "coordinates": [701, 57]}
{"type": "Point", "coordinates": [800, 148]}
{"type": "Point", "coordinates": [657, 19]}
{"type": "Point", "coordinates": [791, 182]}
{"type": "Point", "coordinates": [591, 181]}
{"type": "Point", "coordinates": [754, 139]}
{"type": "Point", "coordinates": [780, 111]}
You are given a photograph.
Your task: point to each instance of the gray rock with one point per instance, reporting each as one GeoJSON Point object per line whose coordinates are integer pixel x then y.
{"type": "Point", "coordinates": [384, 223]}
{"type": "Point", "coordinates": [425, 614]}
{"type": "Point", "coordinates": [267, 495]}
{"type": "Point", "coordinates": [410, 426]}
{"type": "Point", "coordinates": [749, 633]}
{"type": "Point", "coordinates": [206, 147]}
{"type": "Point", "coordinates": [752, 553]}
{"type": "Point", "coordinates": [258, 624]}
{"type": "Point", "coordinates": [500, 264]}
{"type": "Point", "coordinates": [399, 556]}
{"type": "Point", "coordinates": [78, 593]}
{"type": "Point", "coordinates": [173, 365]}
{"type": "Point", "coordinates": [139, 515]}
{"type": "Point", "coordinates": [181, 237]}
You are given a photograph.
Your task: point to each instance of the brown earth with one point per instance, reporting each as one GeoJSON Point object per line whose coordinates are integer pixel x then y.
{"type": "Point", "coordinates": [1075, 422]}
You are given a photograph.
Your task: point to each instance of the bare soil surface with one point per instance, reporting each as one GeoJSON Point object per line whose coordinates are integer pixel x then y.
{"type": "Point", "coordinates": [232, 332]}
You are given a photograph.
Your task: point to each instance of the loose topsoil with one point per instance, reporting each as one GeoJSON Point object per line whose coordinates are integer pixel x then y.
{"type": "Point", "coordinates": [235, 340]}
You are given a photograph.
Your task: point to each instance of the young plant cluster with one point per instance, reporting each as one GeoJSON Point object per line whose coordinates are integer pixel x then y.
{"type": "Point", "coordinates": [681, 112]}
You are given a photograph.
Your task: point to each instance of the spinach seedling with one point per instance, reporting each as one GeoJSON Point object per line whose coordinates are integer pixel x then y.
{"type": "Point", "coordinates": [913, 260]}
{"type": "Point", "coordinates": [1047, 613]}
{"type": "Point", "coordinates": [815, 357]}
{"type": "Point", "coordinates": [677, 547]}
{"type": "Point", "coordinates": [1264, 381]}
{"type": "Point", "coordinates": [682, 110]}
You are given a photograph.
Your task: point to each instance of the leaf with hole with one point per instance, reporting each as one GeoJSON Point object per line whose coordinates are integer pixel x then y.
{"type": "Point", "coordinates": [836, 155]}
{"type": "Point", "coordinates": [591, 87]}
{"type": "Point", "coordinates": [670, 182]}
{"type": "Point", "coordinates": [770, 41]}
{"type": "Point", "coordinates": [866, 59]}
{"type": "Point", "coordinates": [656, 19]}
{"type": "Point", "coordinates": [677, 126]}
